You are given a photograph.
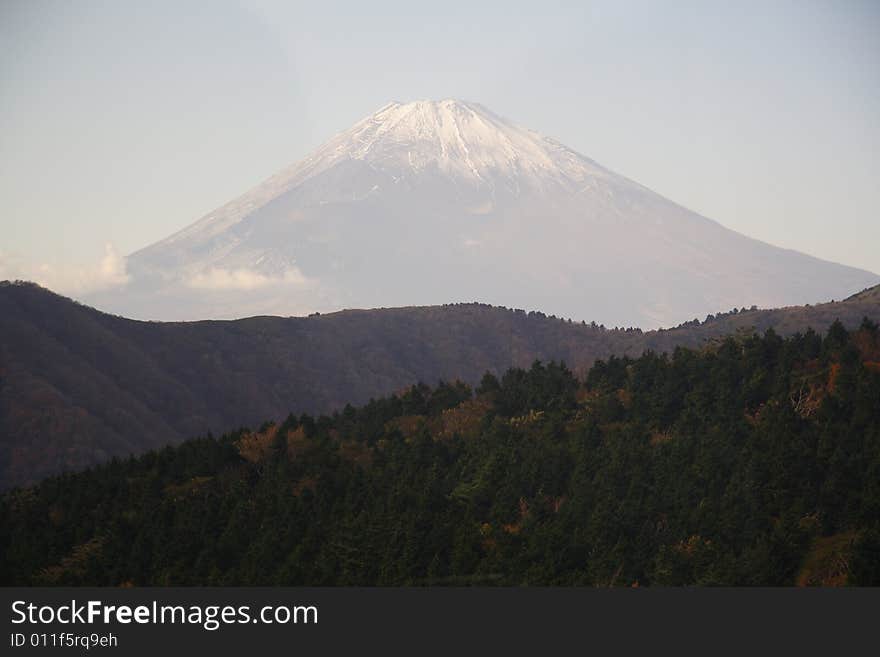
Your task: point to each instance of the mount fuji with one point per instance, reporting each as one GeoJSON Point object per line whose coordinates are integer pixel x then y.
{"type": "Point", "coordinates": [433, 202]}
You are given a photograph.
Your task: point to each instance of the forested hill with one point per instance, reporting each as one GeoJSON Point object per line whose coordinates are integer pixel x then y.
{"type": "Point", "coordinates": [78, 386]}
{"type": "Point", "coordinates": [754, 461]}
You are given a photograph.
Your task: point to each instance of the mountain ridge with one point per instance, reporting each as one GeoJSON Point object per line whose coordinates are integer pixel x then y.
{"type": "Point", "coordinates": [78, 386]}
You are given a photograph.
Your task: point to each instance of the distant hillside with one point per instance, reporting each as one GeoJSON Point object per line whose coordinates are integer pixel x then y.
{"type": "Point", "coordinates": [870, 294]}
{"type": "Point", "coordinates": [753, 461]}
{"type": "Point", "coordinates": [78, 387]}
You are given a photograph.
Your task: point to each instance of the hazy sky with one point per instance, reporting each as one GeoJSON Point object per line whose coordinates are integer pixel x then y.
{"type": "Point", "coordinates": [122, 122]}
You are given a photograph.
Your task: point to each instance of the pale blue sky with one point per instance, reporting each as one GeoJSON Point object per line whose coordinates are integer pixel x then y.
{"type": "Point", "coordinates": [122, 122]}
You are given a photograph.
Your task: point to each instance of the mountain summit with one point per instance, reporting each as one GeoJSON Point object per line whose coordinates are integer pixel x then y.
{"type": "Point", "coordinates": [443, 201]}
{"type": "Point", "coordinates": [464, 141]}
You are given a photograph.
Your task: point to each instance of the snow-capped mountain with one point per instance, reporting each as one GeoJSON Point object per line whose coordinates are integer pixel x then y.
{"type": "Point", "coordinates": [443, 201]}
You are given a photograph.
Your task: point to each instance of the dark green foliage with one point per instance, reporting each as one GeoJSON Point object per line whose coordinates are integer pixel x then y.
{"type": "Point", "coordinates": [550, 388]}
{"type": "Point", "coordinates": [754, 461]}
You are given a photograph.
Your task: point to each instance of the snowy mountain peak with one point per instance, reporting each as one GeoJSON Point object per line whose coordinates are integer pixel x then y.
{"type": "Point", "coordinates": [461, 139]}
{"type": "Point", "coordinates": [460, 142]}
{"type": "Point", "coordinates": [428, 202]}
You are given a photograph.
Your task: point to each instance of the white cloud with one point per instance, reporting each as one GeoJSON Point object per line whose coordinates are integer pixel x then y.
{"type": "Point", "coordinates": [109, 272]}
{"type": "Point", "coordinates": [218, 278]}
